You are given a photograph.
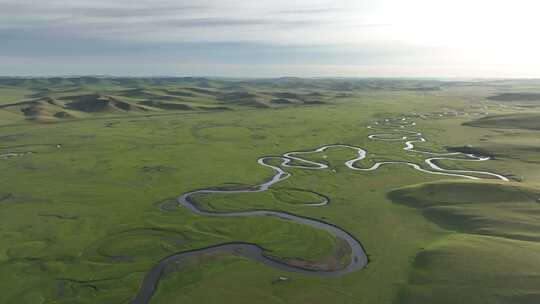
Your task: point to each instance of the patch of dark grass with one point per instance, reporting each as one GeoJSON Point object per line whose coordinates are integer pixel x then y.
{"type": "Point", "coordinates": [166, 105]}
{"type": "Point", "coordinates": [516, 97]}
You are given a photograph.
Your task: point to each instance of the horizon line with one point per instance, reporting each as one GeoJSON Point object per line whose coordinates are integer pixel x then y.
{"type": "Point", "coordinates": [105, 76]}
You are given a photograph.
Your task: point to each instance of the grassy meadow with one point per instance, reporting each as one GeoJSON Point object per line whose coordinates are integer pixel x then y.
{"type": "Point", "coordinates": [87, 204]}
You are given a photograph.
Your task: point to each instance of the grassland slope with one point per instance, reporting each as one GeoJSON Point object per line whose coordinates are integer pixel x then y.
{"type": "Point", "coordinates": [490, 255]}
{"type": "Point", "coordinates": [528, 121]}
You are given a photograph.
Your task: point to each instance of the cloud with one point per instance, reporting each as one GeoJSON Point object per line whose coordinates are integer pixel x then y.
{"type": "Point", "coordinates": [166, 21]}
{"type": "Point", "coordinates": [229, 22]}
{"type": "Point", "coordinates": [279, 32]}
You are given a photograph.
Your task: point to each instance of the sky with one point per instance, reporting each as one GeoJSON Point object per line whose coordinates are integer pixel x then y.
{"type": "Point", "coordinates": [240, 38]}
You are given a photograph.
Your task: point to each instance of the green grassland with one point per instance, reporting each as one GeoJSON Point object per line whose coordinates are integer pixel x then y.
{"type": "Point", "coordinates": [90, 210]}
{"type": "Point", "coordinates": [519, 97]}
{"type": "Point", "coordinates": [490, 257]}
{"type": "Point", "coordinates": [9, 94]}
{"type": "Point", "coordinates": [527, 121]}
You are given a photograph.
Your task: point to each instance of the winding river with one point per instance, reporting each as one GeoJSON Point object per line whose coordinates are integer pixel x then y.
{"type": "Point", "coordinates": [357, 255]}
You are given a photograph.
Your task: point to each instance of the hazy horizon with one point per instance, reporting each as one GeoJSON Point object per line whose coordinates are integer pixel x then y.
{"type": "Point", "coordinates": [267, 39]}
{"type": "Point", "coordinates": [248, 78]}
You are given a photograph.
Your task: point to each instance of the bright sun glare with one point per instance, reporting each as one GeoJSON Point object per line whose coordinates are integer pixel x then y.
{"type": "Point", "coordinates": [473, 32]}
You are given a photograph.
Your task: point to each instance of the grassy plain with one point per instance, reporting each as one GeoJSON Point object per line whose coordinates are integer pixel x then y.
{"type": "Point", "coordinates": [82, 216]}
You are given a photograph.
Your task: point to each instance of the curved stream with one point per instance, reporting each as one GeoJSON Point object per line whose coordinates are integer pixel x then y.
{"type": "Point", "coordinates": [357, 255]}
{"type": "Point", "coordinates": [12, 154]}
{"type": "Point", "coordinates": [418, 137]}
